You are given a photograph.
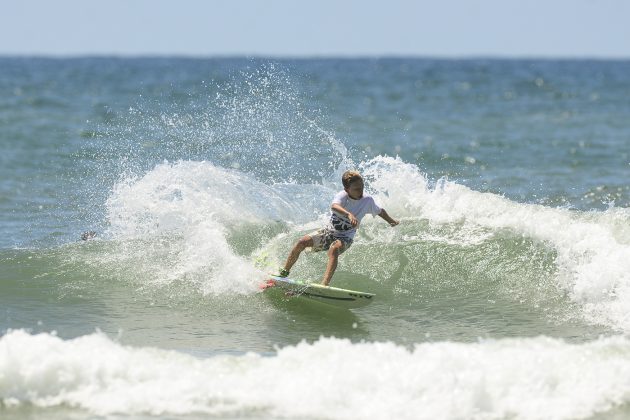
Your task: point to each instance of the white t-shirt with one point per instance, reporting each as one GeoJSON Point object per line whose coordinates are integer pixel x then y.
{"type": "Point", "coordinates": [340, 223]}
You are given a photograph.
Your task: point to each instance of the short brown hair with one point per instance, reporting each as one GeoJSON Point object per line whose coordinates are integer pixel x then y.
{"type": "Point", "coordinates": [349, 177]}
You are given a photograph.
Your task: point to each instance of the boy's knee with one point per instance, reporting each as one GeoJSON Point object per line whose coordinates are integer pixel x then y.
{"type": "Point", "coordinates": [335, 249]}
{"type": "Point", "coordinates": [305, 242]}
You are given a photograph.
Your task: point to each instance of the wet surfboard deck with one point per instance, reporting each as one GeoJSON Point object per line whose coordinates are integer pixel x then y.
{"type": "Point", "coordinates": [343, 298]}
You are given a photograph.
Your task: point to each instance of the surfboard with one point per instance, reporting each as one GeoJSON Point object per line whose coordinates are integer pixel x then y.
{"type": "Point", "coordinates": [343, 298]}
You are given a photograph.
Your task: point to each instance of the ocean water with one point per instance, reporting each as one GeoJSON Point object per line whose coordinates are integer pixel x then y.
{"type": "Point", "coordinates": [504, 293]}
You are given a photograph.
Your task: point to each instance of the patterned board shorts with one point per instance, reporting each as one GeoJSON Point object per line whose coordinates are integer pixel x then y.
{"type": "Point", "coordinates": [324, 238]}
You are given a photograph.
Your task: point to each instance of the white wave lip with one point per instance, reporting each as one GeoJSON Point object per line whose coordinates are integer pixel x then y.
{"type": "Point", "coordinates": [184, 195]}
{"type": "Point", "coordinates": [535, 378]}
{"type": "Point", "coordinates": [593, 248]}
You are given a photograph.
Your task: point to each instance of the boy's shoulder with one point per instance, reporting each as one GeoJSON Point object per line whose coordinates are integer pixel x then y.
{"type": "Point", "coordinates": [341, 195]}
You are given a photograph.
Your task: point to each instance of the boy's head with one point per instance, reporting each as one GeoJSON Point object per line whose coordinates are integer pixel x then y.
{"type": "Point", "coordinates": [353, 184]}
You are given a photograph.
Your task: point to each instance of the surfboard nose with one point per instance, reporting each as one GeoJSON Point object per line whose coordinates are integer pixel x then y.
{"type": "Point", "coordinates": [269, 283]}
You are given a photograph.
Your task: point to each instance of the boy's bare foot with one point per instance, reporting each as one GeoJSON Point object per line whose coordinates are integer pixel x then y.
{"type": "Point", "coordinates": [283, 273]}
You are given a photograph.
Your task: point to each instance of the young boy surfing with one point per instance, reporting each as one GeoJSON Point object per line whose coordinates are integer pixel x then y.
{"type": "Point", "coordinates": [348, 208]}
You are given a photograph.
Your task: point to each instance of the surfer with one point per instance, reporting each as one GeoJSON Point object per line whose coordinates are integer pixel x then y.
{"type": "Point", "coordinates": [347, 210]}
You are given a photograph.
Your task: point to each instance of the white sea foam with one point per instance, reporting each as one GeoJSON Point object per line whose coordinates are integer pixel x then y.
{"type": "Point", "coordinates": [593, 248]}
{"type": "Point", "coordinates": [196, 205]}
{"type": "Point", "coordinates": [533, 378]}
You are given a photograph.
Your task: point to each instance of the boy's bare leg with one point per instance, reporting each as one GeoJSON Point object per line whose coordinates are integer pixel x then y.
{"type": "Point", "coordinates": [333, 258]}
{"type": "Point", "coordinates": [300, 246]}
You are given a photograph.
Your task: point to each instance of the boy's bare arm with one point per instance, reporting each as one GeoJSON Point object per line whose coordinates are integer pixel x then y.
{"type": "Point", "coordinates": [387, 218]}
{"type": "Point", "coordinates": [353, 220]}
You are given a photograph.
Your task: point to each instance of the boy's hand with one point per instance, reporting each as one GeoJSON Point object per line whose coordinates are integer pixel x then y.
{"type": "Point", "coordinates": [387, 218]}
{"type": "Point", "coordinates": [353, 220]}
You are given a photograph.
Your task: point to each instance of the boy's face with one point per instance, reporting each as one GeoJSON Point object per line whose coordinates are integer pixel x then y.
{"type": "Point", "coordinates": [355, 190]}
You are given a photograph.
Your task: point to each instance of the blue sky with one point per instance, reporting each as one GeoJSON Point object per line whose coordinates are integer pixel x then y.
{"type": "Point", "coordinates": [448, 28]}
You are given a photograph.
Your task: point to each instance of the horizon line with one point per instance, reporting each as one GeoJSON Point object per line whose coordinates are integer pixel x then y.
{"type": "Point", "coordinates": [298, 57]}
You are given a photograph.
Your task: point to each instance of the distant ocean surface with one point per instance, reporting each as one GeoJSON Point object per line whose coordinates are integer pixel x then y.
{"type": "Point", "coordinates": [504, 293]}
